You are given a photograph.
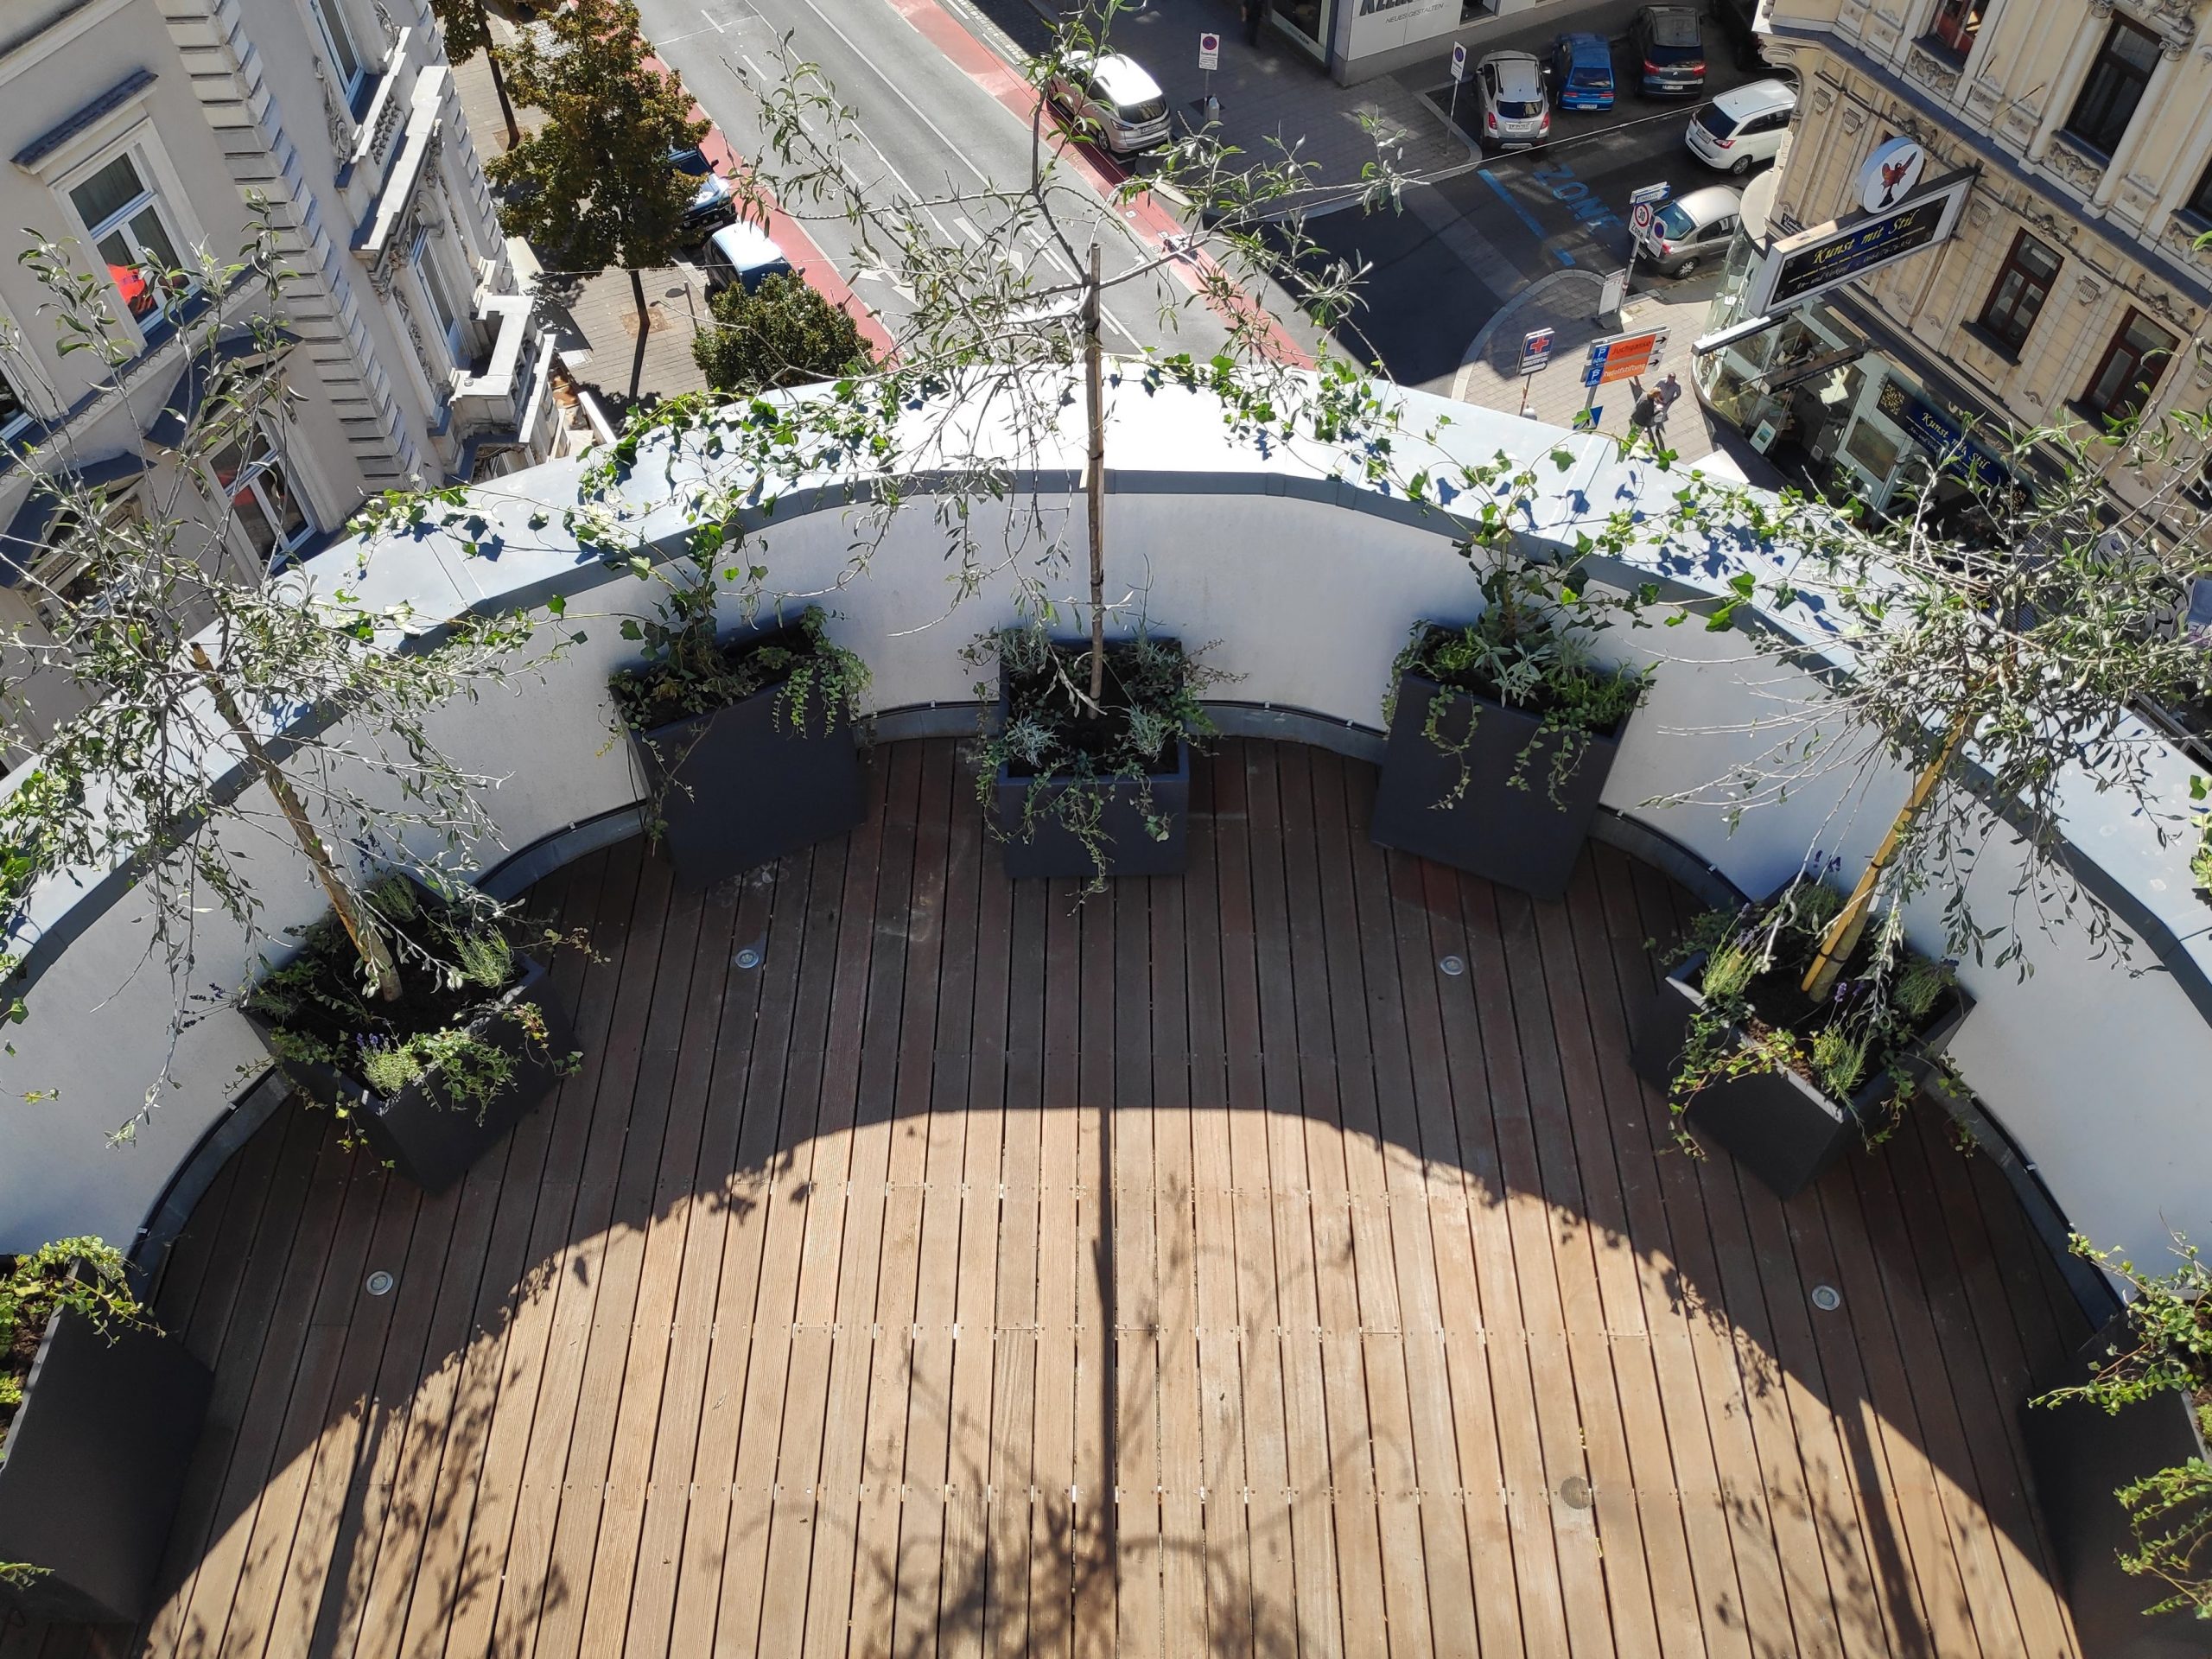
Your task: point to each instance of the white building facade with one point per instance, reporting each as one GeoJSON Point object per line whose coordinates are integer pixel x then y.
{"type": "Point", "coordinates": [141, 132]}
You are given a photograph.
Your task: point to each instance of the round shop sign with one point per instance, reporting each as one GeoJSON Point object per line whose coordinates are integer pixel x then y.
{"type": "Point", "coordinates": [1891, 173]}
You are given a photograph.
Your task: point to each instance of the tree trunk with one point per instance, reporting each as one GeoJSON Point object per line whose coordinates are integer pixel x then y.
{"type": "Point", "coordinates": [1094, 478]}
{"type": "Point", "coordinates": [645, 316]}
{"type": "Point", "coordinates": [384, 972]}
{"type": "Point", "coordinates": [499, 78]}
{"type": "Point", "coordinates": [1844, 932]}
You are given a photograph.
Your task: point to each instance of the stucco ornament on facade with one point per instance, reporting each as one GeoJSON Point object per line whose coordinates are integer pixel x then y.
{"type": "Point", "coordinates": [1925, 67]}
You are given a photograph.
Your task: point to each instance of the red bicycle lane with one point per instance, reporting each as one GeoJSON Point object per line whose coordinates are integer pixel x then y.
{"type": "Point", "coordinates": [1153, 225]}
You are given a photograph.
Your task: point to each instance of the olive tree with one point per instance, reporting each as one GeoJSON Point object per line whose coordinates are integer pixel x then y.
{"type": "Point", "coordinates": [198, 680]}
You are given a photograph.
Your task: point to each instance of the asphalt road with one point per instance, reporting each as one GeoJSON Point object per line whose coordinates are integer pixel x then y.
{"type": "Point", "coordinates": [931, 131]}
{"type": "Point", "coordinates": [1464, 246]}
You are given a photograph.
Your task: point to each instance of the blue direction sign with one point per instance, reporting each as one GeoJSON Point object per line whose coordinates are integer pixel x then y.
{"type": "Point", "coordinates": [1652, 194]}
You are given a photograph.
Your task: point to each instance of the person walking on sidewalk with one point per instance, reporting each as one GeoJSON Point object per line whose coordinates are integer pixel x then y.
{"type": "Point", "coordinates": [1255, 13]}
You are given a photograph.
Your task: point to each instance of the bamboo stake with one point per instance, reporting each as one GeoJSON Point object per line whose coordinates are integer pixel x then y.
{"type": "Point", "coordinates": [1843, 934]}
{"type": "Point", "coordinates": [384, 972]}
{"type": "Point", "coordinates": [1095, 479]}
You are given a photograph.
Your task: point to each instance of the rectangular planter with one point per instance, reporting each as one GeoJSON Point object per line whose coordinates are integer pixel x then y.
{"type": "Point", "coordinates": [2080, 1455]}
{"type": "Point", "coordinates": [1053, 851]}
{"type": "Point", "coordinates": [429, 1142]}
{"type": "Point", "coordinates": [93, 1467]}
{"type": "Point", "coordinates": [738, 788]}
{"type": "Point", "coordinates": [1783, 1127]}
{"type": "Point", "coordinates": [1525, 838]}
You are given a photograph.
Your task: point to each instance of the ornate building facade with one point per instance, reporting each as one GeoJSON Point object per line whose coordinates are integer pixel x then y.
{"type": "Point", "coordinates": [139, 133]}
{"type": "Point", "coordinates": [2068, 290]}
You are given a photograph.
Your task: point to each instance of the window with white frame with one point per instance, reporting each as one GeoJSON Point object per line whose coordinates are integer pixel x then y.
{"type": "Point", "coordinates": [126, 222]}
{"type": "Point", "coordinates": [14, 413]}
{"type": "Point", "coordinates": [67, 576]}
{"type": "Point", "coordinates": [338, 40]}
{"type": "Point", "coordinates": [251, 476]}
{"type": "Point", "coordinates": [439, 294]}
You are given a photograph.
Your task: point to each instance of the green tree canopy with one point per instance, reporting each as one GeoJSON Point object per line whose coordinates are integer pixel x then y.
{"type": "Point", "coordinates": [462, 23]}
{"type": "Point", "coordinates": [782, 333]}
{"type": "Point", "coordinates": [592, 188]}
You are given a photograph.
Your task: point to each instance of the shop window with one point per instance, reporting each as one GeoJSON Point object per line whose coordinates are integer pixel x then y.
{"type": "Point", "coordinates": [125, 220]}
{"type": "Point", "coordinates": [1873, 451]}
{"type": "Point", "coordinates": [252, 477]}
{"type": "Point", "coordinates": [2131, 369]}
{"type": "Point", "coordinates": [1957, 22]}
{"type": "Point", "coordinates": [2022, 287]}
{"type": "Point", "coordinates": [2114, 87]}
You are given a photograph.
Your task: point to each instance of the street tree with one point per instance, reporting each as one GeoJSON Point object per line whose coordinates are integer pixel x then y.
{"type": "Point", "coordinates": [468, 31]}
{"type": "Point", "coordinates": [781, 333]}
{"type": "Point", "coordinates": [593, 187]}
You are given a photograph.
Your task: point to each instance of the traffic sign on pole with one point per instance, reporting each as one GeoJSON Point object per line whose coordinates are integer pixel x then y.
{"type": "Point", "coordinates": [1640, 219]}
{"type": "Point", "coordinates": [1459, 61]}
{"type": "Point", "coordinates": [1208, 51]}
{"type": "Point", "coordinates": [1653, 193]}
{"type": "Point", "coordinates": [1536, 350]}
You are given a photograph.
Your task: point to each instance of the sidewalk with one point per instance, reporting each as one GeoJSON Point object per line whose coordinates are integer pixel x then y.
{"type": "Point", "coordinates": [1566, 301]}
{"type": "Point", "coordinates": [596, 315]}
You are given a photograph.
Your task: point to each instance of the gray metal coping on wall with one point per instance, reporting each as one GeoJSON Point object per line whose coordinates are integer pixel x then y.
{"type": "Point", "coordinates": [1690, 582]}
{"type": "Point", "coordinates": [1331, 490]}
{"type": "Point", "coordinates": [524, 868]}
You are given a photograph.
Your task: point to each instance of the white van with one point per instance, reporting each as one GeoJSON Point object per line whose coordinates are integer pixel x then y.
{"type": "Point", "coordinates": [743, 254]}
{"type": "Point", "coordinates": [1742, 126]}
{"type": "Point", "coordinates": [1112, 100]}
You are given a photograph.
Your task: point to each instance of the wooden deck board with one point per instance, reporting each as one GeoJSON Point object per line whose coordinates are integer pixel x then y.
{"type": "Point", "coordinates": [1194, 1268]}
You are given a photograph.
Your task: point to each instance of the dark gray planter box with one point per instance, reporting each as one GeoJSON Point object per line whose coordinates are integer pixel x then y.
{"type": "Point", "coordinates": [738, 788]}
{"type": "Point", "coordinates": [428, 1142]}
{"type": "Point", "coordinates": [1781, 1126]}
{"type": "Point", "coordinates": [1526, 838]}
{"type": "Point", "coordinates": [2080, 1455]}
{"type": "Point", "coordinates": [93, 1467]}
{"type": "Point", "coordinates": [1051, 850]}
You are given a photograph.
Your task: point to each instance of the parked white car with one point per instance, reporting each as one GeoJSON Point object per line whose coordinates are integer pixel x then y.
{"type": "Point", "coordinates": [1110, 99]}
{"type": "Point", "coordinates": [1743, 127]}
{"type": "Point", "coordinates": [1515, 112]}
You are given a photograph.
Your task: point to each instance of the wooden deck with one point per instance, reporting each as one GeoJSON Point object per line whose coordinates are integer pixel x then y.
{"type": "Point", "coordinates": [1197, 1269]}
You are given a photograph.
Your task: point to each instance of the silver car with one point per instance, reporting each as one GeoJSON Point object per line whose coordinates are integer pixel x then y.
{"type": "Point", "coordinates": [1515, 112]}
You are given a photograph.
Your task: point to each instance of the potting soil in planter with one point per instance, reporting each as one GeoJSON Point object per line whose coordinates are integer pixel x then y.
{"type": "Point", "coordinates": [1785, 1124]}
{"type": "Point", "coordinates": [1143, 800]}
{"type": "Point", "coordinates": [1529, 793]}
{"type": "Point", "coordinates": [426, 1101]}
{"type": "Point", "coordinates": [740, 769]}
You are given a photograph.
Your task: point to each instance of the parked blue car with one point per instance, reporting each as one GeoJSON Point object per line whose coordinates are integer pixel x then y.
{"type": "Point", "coordinates": [1582, 73]}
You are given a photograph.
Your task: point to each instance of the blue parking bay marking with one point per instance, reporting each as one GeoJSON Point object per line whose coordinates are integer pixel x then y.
{"type": "Point", "coordinates": [1521, 212]}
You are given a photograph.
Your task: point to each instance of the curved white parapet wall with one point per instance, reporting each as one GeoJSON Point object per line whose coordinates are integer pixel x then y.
{"type": "Point", "coordinates": [1306, 585]}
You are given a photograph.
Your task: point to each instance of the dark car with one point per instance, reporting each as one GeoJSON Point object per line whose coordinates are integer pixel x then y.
{"type": "Point", "coordinates": [1736, 18]}
{"type": "Point", "coordinates": [714, 200]}
{"type": "Point", "coordinates": [1670, 43]}
{"type": "Point", "coordinates": [1581, 71]}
